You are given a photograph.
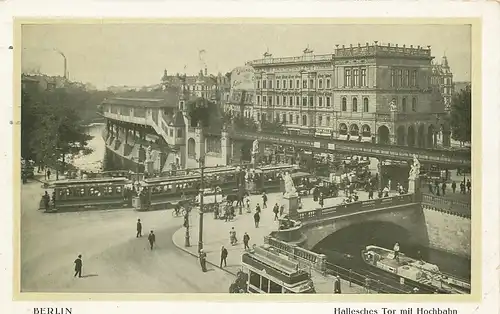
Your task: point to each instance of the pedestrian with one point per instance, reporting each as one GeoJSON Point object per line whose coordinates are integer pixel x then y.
{"type": "Point", "coordinates": [232, 236]}
{"type": "Point", "coordinates": [462, 187]}
{"type": "Point", "coordinates": [469, 186]}
{"type": "Point", "coordinates": [370, 193]}
{"type": "Point", "coordinates": [151, 239]}
{"type": "Point", "coordinates": [321, 200]}
{"type": "Point", "coordinates": [223, 256]}
{"type": "Point", "coordinates": [257, 208]}
{"type": "Point", "coordinates": [276, 211]}
{"type": "Point", "coordinates": [336, 285]}
{"type": "Point", "coordinates": [430, 188]}
{"type": "Point", "coordinates": [282, 210]}
{"type": "Point", "coordinates": [248, 204]}
{"type": "Point", "coordinates": [264, 200]}
{"type": "Point", "coordinates": [48, 174]}
{"type": "Point", "coordinates": [396, 251]}
{"type": "Point", "coordinates": [256, 218]}
{"type": "Point", "coordinates": [78, 266]}
{"type": "Point", "coordinates": [454, 186]}
{"type": "Point", "coordinates": [437, 187]}
{"type": "Point", "coordinates": [53, 199]}
{"type": "Point", "coordinates": [46, 200]}
{"type": "Point", "coordinates": [139, 229]}
{"type": "Point", "coordinates": [386, 191]}
{"type": "Point", "coordinates": [246, 240]}
{"type": "Point", "coordinates": [443, 188]}
{"type": "Point", "coordinates": [203, 260]}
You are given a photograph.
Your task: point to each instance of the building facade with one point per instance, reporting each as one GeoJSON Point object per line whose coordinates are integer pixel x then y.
{"type": "Point", "coordinates": [371, 92]}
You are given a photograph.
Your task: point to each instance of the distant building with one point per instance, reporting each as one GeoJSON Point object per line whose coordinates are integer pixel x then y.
{"type": "Point", "coordinates": [458, 86]}
{"type": "Point", "coordinates": [241, 98]}
{"type": "Point", "coordinates": [43, 82]}
{"type": "Point", "coordinates": [442, 79]}
{"type": "Point", "coordinates": [372, 92]}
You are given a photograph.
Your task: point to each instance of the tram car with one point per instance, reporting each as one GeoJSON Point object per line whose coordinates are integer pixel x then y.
{"type": "Point", "coordinates": [268, 272]}
{"type": "Point", "coordinates": [163, 193]}
{"type": "Point", "coordinates": [269, 178]}
{"type": "Point", "coordinates": [98, 193]}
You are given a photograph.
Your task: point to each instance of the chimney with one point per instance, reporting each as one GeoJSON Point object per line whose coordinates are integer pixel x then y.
{"type": "Point", "coordinates": [389, 44]}
{"type": "Point", "coordinates": [404, 46]}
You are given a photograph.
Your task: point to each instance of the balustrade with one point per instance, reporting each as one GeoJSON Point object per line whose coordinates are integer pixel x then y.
{"type": "Point", "coordinates": [447, 205]}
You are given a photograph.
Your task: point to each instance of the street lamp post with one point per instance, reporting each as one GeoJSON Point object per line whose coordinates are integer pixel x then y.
{"type": "Point", "coordinates": [200, 234]}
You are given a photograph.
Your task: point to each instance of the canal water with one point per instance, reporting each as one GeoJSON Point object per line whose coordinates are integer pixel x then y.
{"type": "Point", "coordinates": [353, 239]}
{"type": "Point", "coordinates": [93, 161]}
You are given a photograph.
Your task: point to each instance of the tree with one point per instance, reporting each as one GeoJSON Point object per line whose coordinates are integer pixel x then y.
{"type": "Point", "coordinates": [461, 115]}
{"type": "Point", "coordinates": [51, 125]}
{"type": "Point", "coordinates": [205, 113]}
{"type": "Point", "coordinates": [273, 126]}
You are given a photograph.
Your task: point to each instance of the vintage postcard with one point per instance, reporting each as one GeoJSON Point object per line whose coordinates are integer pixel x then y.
{"type": "Point", "coordinates": [331, 159]}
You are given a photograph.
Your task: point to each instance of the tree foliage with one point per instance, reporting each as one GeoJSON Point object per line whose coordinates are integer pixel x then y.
{"type": "Point", "coordinates": [205, 113]}
{"type": "Point", "coordinates": [461, 122]}
{"type": "Point", "coordinates": [51, 123]}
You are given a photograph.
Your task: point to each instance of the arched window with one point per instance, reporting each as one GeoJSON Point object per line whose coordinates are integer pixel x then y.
{"type": "Point", "coordinates": [320, 120]}
{"type": "Point", "coordinates": [414, 104]}
{"type": "Point", "coordinates": [354, 104]}
{"type": "Point", "coordinates": [344, 104]}
{"type": "Point", "coordinates": [403, 104]}
{"type": "Point", "coordinates": [284, 118]}
{"type": "Point", "coordinates": [342, 129]}
{"type": "Point", "coordinates": [297, 119]}
{"type": "Point", "coordinates": [365, 104]}
{"type": "Point", "coordinates": [304, 120]}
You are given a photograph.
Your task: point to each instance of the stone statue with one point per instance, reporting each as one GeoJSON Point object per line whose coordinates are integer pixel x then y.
{"type": "Point", "coordinates": [415, 169]}
{"type": "Point", "coordinates": [392, 105]}
{"type": "Point", "coordinates": [150, 153]}
{"type": "Point", "coordinates": [255, 151]}
{"type": "Point", "coordinates": [289, 186]}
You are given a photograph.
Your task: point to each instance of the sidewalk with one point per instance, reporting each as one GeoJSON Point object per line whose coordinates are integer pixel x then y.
{"type": "Point", "coordinates": [216, 235]}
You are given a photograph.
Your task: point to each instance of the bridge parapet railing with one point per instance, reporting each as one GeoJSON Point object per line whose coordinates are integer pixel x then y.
{"type": "Point", "coordinates": [294, 252]}
{"type": "Point", "coordinates": [332, 211]}
{"type": "Point", "coordinates": [448, 205]}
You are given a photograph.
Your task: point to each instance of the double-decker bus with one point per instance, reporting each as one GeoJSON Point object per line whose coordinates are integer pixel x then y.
{"type": "Point", "coordinates": [267, 272]}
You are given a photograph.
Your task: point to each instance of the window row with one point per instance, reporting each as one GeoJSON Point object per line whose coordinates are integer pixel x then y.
{"type": "Point", "coordinates": [355, 77]}
{"type": "Point", "coordinates": [289, 84]}
{"type": "Point", "coordinates": [402, 78]}
{"type": "Point", "coordinates": [354, 105]}
{"type": "Point", "coordinates": [404, 104]}
{"type": "Point", "coordinates": [294, 101]}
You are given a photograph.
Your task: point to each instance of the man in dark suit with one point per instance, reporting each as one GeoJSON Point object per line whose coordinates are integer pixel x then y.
{"type": "Point", "coordinates": [151, 239]}
{"type": "Point", "coordinates": [78, 266]}
{"type": "Point", "coordinates": [139, 229]}
{"type": "Point", "coordinates": [223, 256]}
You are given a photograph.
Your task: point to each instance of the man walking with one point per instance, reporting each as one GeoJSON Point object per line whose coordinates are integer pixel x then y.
{"type": "Point", "coordinates": [469, 186]}
{"type": "Point", "coordinates": [256, 219]}
{"type": "Point", "coordinates": [151, 239]}
{"type": "Point", "coordinates": [48, 174]}
{"type": "Point", "coordinates": [276, 211]}
{"type": "Point", "coordinates": [264, 200]}
{"type": "Point", "coordinates": [46, 201]}
{"type": "Point", "coordinates": [139, 229]}
{"type": "Point", "coordinates": [223, 256]}
{"type": "Point", "coordinates": [443, 188]}
{"type": "Point", "coordinates": [78, 266]}
{"type": "Point", "coordinates": [336, 285]}
{"type": "Point", "coordinates": [246, 239]}
{"type": "Point", "coordinates": [454, 186]}
{"type": "Point", "coordinates": [203, 260]}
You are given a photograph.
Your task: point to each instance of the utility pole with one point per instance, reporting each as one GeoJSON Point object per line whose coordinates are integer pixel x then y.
{"type": "Point", "coordinates": [202, 188]}
{"type": "Point", "coordinates": [187, 243]}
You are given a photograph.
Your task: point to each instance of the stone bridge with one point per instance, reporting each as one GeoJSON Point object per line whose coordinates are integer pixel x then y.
{"type": "Point", "coordinates": [423, 219]}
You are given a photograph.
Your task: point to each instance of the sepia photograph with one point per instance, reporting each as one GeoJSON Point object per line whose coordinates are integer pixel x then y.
{"type": "Point", "coordinates": [246, 158]}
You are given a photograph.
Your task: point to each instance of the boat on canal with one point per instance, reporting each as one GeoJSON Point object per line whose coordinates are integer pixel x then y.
{"type": "Point", "coordinates": [416, 271]}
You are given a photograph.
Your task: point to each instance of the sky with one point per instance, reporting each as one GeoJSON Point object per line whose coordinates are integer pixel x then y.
{"type": "Point", "coordinates": [136, 54]}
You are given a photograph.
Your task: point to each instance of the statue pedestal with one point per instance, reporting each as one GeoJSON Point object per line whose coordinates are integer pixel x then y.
{"type": "Point", "coordinates": [291, 203]}
{"type": "Point", "coordinates": [413, 185]}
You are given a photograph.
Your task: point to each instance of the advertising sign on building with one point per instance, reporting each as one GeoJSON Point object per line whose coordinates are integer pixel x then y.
{"type": "Point", "coordinates": [243, 78]}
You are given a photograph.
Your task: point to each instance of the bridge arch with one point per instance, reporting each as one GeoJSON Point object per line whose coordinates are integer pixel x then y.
{"type": "Point", "coordinates": [343, 129]}
{"type": "Point", "coordinates": [353, 238]}
{"type": "Point", "coordinates": [191, 148]}
{"type": "Point", "coordinates": [401, 135]}
{"type": "Point", "coordinates": [354, 130]}
{"type": "Point", "coordinates": [411, 136]}
{"type": "Point", "coordinates": [383, 135]}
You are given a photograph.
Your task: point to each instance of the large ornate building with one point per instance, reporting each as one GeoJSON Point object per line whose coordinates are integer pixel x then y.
{"type": "Point", "coordinates": [370, 92]}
